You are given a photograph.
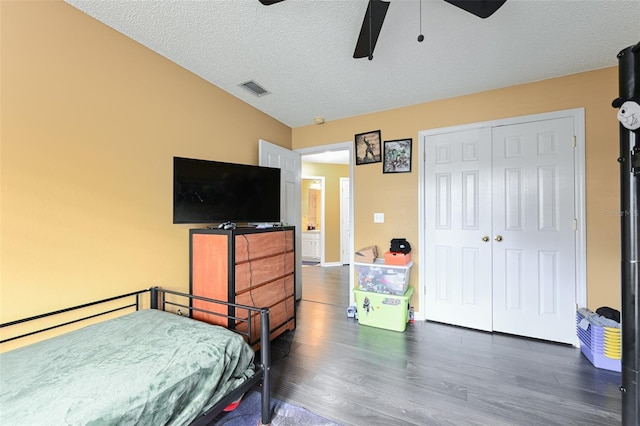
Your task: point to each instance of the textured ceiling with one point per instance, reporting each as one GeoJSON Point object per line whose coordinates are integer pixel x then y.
{"type": "Point", "coordinates": [301, 51]}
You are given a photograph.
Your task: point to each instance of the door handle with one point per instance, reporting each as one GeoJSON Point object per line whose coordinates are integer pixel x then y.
{"type": "Point", "coordinates": [498, 238]}
{"type": "Point", "coordinates": [485, 238]}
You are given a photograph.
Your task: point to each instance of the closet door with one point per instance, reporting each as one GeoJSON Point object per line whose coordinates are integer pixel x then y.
{"type": "Point", "coordinates": [500, 238]}
{"type": "Point", "coordinates": [534, 277]}
{"type": "Point", "coordinates": [458, 224]}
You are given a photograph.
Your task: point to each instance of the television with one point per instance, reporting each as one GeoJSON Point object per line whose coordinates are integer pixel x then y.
{"type": "Point", "coordinates": [215, 192]}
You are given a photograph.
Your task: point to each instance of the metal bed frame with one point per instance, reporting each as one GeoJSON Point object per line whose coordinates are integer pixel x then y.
{"type": "Point", "coordinates": [158, 300]}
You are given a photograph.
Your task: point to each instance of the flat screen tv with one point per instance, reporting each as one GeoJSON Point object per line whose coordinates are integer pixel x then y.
{"type": "Point", "coordinates": [215, 192]}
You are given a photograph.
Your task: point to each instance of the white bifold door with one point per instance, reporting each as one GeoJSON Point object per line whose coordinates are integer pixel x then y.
{"type": "Point", "coordinates": [500, 229]}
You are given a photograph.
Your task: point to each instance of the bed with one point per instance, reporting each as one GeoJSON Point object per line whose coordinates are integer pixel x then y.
{"type": "Point", "coordinates": [145, 366]}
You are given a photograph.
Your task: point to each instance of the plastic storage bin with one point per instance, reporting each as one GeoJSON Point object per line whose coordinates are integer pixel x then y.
{"type": "Point", "coordinates": [601, 345]}
{"type": "Point", "coordinates": [380, 278]}
{"type": "Point", "coordinates": [383, 310]}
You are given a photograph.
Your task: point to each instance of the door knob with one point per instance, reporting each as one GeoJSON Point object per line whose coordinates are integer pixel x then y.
{"type": "Point", "coordinates": [498, 238]}
{"type": "Point", "coordinates": [485, 238]}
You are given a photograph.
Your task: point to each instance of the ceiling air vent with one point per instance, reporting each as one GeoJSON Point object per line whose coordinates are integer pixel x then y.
{"type": "Point", "coordinates": [255, 88]}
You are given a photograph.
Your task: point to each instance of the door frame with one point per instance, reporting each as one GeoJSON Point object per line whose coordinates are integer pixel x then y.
{"type": "Point", "coordinates": [340, 146]}
{"type": "Point", "coordinates": [580, 197]}
{"type": "Point", "coordinates": [344, 245]}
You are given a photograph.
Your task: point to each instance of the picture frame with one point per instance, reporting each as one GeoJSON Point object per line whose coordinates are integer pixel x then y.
{"type": "Point", "coordinates": [368, 147]}
{"type": "Point", "coordinates": [397, 156]}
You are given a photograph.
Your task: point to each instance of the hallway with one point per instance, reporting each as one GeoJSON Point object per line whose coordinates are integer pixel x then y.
{"type": "Point", "coordinates": [329, 285]}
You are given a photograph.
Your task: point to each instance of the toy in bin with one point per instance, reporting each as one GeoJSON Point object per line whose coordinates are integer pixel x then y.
{"type": "Point", "coordinates": [381, 278]}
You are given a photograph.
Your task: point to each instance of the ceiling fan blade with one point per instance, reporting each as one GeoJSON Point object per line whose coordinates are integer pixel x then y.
{"type": "Point", "coordinates": [371, 26]}
{"type": "Point", "coordinates": [269, 2]}
{"type": "Point", "coordinates": [480, 8]}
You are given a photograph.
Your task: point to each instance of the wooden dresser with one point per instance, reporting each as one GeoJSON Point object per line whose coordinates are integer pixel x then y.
{"type": "Point", "coordinates": [247, 266]}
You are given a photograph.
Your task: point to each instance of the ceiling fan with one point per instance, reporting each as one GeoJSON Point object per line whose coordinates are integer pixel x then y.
{"type": "Point", "coordinates": [377, 10]}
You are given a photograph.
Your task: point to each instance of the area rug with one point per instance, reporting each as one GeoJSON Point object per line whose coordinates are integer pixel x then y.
{"type": "Point", "coordinates": [284, 414]}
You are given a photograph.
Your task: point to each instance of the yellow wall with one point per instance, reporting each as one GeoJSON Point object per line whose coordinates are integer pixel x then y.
{"type": "Point", "coordinates": [90, 123]}
{"type": "Point", "coordinates": [332, 174]}
{"type": "Point", "coordinates": [396, 195]}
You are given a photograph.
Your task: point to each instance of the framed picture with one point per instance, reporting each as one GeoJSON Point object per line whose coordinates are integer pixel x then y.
{"type": "Point", "coordinates": [368, 149]}
{"type": "Point", "coordinates": [397, 156]}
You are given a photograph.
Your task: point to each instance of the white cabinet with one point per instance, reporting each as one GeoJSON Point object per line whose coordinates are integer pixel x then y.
{"type": "Point", "coordinates": [311, 246]}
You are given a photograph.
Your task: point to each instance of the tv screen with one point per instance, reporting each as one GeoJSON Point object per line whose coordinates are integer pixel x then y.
{"type": "Point", "coordinates": [215, 192]}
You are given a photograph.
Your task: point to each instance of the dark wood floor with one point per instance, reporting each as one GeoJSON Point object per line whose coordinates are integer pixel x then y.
{"type": "Point", "coordinates": [432, 374]}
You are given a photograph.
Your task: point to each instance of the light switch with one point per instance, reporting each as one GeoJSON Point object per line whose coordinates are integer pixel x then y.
{"type": "Point", "coordinates": [378, 218]}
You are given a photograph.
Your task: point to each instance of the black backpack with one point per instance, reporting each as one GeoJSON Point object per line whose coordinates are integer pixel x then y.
{"type": "Point", "coordinates": [400, 245]}
{"type": "Point", "coordinates": [608, 312]}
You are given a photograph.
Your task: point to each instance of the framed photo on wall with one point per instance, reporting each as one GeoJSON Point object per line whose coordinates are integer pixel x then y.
{"type": "Point", "coordinates": [397, 156]}
{"type": "Point", "coordinates": [368, 149]}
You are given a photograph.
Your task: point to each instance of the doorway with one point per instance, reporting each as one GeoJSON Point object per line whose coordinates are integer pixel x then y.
{"type": "Point", "coordinates": [504, 211]}
{"type": "Point", "coordinates": [329, 167]}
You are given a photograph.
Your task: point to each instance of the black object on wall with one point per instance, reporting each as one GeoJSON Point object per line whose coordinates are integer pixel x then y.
{"type": "Point", "coordinates": [629, 87]}
{"type": "Point", "coordinates": [217, 192]}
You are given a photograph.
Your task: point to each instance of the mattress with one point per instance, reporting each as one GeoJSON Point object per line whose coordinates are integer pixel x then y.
{"type": "Point", "coordinates": [148, 367]}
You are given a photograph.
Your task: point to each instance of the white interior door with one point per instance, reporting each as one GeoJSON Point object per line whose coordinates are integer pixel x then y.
{"type": "Point", "coordinates": [458, 171]}
{"type": "Point", "coordinates": [345, 223]}
{"type": "Point", "coordinates": [534, 280]}
{"type": "Point", "coordinates": [500, 237]}
{"type": "Point", "coordinates": [289, 163]}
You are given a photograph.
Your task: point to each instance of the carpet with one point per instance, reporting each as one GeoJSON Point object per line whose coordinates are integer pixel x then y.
{"type": "Point", "coordinates": [284, 414]}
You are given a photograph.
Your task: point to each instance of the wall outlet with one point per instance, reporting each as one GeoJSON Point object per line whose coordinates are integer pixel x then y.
{"type": "Point", "coordinates": [378, 218]}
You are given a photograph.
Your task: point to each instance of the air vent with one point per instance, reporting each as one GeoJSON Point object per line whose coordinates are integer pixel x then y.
{"type": "Point", "coordinates": [255, 88]}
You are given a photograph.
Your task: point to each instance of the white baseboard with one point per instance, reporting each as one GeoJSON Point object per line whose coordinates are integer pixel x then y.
{"type": "Point", "coordinates": [330, 264]}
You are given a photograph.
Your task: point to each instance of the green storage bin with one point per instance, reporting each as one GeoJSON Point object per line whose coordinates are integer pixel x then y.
{"type": "Point", "coordinates": [386, 311]}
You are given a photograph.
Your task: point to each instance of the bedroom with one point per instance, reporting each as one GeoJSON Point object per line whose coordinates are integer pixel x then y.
{"type": "Point", "coordinates": [91, 121]}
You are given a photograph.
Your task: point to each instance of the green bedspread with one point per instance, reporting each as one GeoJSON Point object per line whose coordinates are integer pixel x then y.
{"type": "Point", "coordinates": [145, 368]}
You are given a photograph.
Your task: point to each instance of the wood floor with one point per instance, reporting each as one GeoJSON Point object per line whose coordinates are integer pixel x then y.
{"type": "Point", "coordinates": [432, 374]}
